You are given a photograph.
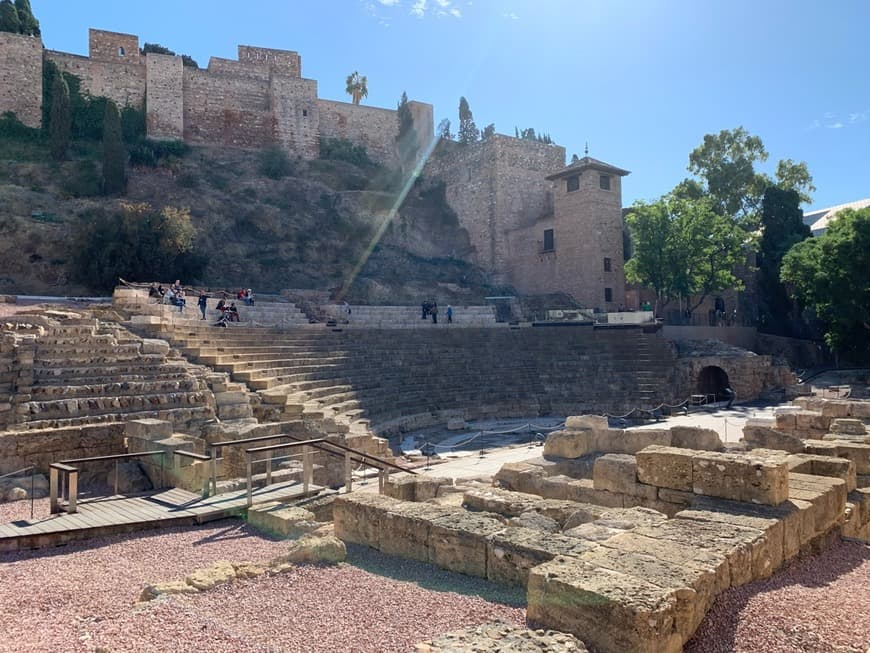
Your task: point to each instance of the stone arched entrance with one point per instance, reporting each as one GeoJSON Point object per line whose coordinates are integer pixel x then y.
{"type": "Point", "coordinates": [712, 381]}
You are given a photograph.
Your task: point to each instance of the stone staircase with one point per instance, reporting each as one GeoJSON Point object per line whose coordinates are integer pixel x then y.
{"type": "Point", "coordinates": [84, 372]}
{"type": "Point", "coordinates": [392, 380]}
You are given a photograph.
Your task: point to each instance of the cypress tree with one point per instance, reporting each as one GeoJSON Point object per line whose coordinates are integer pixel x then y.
{"type": "Point", "coordinates": [114, 155]}
{"type": "Point", "coordinates": [468, 132]}
{"type": "Point", "coordinates": [406, 140]}
{"type": "Point", "coordinates": [29, 24]}
{"type": "Point", "coordinates": [9, 21]}
{"type": "Point", "coordinates": [60, 118]}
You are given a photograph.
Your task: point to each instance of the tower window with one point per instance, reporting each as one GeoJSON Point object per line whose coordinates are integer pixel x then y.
{"type": "Point", "coordinates": [120, 52]}
{"type": "Point", "coordinates": [608, 294]}
{"type": "Point", "coordinates": [548, 240]}
{"type": "Point", "coordinates": [573, 183]}
{"type": "Point", "coordinates": [604, 182]}
{"type": "Point", "coordinates": [606, 264]}
{"type": "Point", "coordinates": [304, 112]}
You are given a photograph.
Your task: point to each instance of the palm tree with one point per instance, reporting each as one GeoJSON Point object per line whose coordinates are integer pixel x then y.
{"type": "Point", "coordinates": [357, 86]}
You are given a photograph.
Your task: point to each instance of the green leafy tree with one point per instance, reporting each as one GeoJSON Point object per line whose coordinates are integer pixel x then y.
{"type": "Point", "coordinates": [795, 177]}
{"type": "Point", "coordinates": [9, 21]}
{"type": "Point", "coordinates": [356, 86]}
{"type": "Point", "coordinates": [114, 154]}
{"type": "Point", "coordinates": [488, 132]}
{"type": "Point", "coordinates": [29, 24]}
{"type": "Point", "coordinates": [444, 130]}
{"type": "Point", "coordinates": [406, 138]}
{"type": "Point", "coordinates": [468, 132]}
{"type": "Point", "coordinates": [60, 119]}
{"type": "Point", "coordinates": [782, 228]}
{"type": "Point", "coordinates": [829, 274]}
{"type": "Point", "coordinates": [134, 242]}
{"type": "Point", "coordinates": [725, 163]}
{"type": "Point", "coordinates": [683, 247]}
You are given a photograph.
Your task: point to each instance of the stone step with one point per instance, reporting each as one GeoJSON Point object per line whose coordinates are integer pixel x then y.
{"type": "Point", "coordinates": [180, 418]}
{"type": "Point", "coordinates": [184, 383]}
{"type": "Point", "coordinates": [91, 405]}
{"type": "Point", "coordinates": [107, 373]}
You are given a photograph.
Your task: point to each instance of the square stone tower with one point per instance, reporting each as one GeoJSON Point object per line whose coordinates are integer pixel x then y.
{"type": "Point", "coordinates": [585, 239]}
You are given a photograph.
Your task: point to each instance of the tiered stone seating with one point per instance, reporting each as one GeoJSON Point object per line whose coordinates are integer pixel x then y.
{"type": "Point", "coordinates": [84, 374]}
{"type": "Point", "coordinates": [399, 378]}
{"type": "Point", "coordinates": [410, 317]}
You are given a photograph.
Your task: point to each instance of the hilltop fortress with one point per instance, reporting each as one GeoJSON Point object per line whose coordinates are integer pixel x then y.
{"type": "Point", "coordinates": [534, 223]}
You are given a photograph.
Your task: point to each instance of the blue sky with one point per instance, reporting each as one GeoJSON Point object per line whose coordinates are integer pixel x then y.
{"type": "Point", "coordinates": [641, 81]}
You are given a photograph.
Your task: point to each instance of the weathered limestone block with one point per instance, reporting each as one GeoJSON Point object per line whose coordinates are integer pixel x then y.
{"type": "Point", "coordinates": [357, 517]}
{"type": "Point", "coordinates": [667, 467]}
{"type": "Point", "coordinates": [156, 590]}
{"type": "Point", "coordinates": [827, 496]}
{"type": "Point", "coordinates": [593, 532]}
{"type": "Point", "coordinates": [457, 541]}
{"type": "Point", "coordinates": [857, 525]}
{"type": "Point", "coordinates": [401, 486]}
{"type": "Point", "coordinates": [614, 612]}
{"type": "Point", "coordinates": [694, 437]}
{"type": "Point", "coordinates": [857, 452]}
{"type": "Point", "coordinates": [497, 637]}
{"type": "Point", "coordinates": [512, 552]}
{"type": "Point", "coordinates": [742, 477]}
{"type": "Point", "coordinates": [631, 441]}
{"type": "Point", "coordinates": [583, 491]}
{"type": "Point", "coordinates": [519, 477]}
{"type": "Point", "coordinates": [806, 463]}
{"type": "Point", "coordinates": [692, 588]}
{"type": "Point", "coordinates": [149, 429]}
{"type": "Point", "coordinates": [807, 421]}
{"type": "Point", "coordinates": [405, 529]}
{"type": "Point", "coordinates": [583, 514]}
{"type": "Point", "coordinates": [313, 549]}
{"type": "Point", "coordinates": [570, 443]}
{"type": "Point", "coordinates": [281, 520]}
{"type": "Point", "coordinates": [615, 472]}
{"type": "Point", "coordinates": [502, 502]}
{"type": "Point", "coordinates": [836, 408]}
{"type": "Point", "coordinates": [535, 520]}
{"type": "Point", "coordinates": [428, 487]}
{"type": "Point", "coordinates": [584, 422]}
{"type": "Point", "coordinates": [218, 573]}
{"type": "Point", "coordinates": [758, 434]}
{"type": "Point", "coordinates": [848, 427]}
{"type": "Point", "coordinates": [155, 346]}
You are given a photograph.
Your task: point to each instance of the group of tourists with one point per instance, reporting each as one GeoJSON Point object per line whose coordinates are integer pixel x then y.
{"type": "Point", "coordinates": [430, 307]}
{"type": "Point", "coordinates": [175, 295]}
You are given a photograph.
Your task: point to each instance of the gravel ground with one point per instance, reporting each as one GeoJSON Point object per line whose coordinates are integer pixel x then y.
{"type": "Point", "coordinates": [82, 598]}
{"type": "Point", "coordinates": [817, 605]}
{"type": "Point", "coordinates": [15, 510]}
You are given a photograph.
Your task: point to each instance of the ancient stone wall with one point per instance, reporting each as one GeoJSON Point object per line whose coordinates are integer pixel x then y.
{"type": "Point", "coordinates": [296, 114]}
{"type": "Point", "coordinates": [45, 446]}
{"type": "Point", "coordinates": [496, 186]}
{"type": "Point", "coordinates": [748, 376]}
{"type": "Point", "coordinates": [165, 96]}
{"type": "Point", "coordinates": [113, 47]}
{"type": "Point", "coordinates": [21, 77]}
{"type": "Point", "coordinates": [371, 127]}
{"type": "Point", "coordinates": [123, 83]}
{"type": "Point", "coordinates": [284, 62]}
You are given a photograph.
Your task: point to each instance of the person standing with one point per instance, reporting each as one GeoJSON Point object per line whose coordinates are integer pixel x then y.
{"type": "Point", "coordinates": [449, 314]}
{"type": "Point", "coordinates": [202, 303]}
{"type": "Point", "coordinates": [434, 311]}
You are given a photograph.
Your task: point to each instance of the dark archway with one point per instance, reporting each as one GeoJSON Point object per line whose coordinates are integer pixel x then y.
{"type": "Point", "coordinates": [712, 381]}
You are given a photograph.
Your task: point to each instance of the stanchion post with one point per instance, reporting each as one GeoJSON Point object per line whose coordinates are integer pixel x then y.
{"type": "Point", "coordinates": [348, 472]}
{"type": "Point", "coordinates": [250, 481]}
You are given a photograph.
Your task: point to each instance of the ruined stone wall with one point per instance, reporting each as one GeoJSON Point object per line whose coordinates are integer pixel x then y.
{"type": "Point", "coordinates": [165, 96]}
{"type": "Point", "coordinates": [748, 376]}
{"type": "Point", "coordinates": [21, 77]}
{"type": "Point", "coordinates": [494, 187]}
{"type": "Point", "coordinates": [42, 447]}
{"type": "Point", "coordinates": [123, 83]}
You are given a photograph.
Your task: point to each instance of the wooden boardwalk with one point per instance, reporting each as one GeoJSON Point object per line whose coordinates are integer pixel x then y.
{"type": "Point", "coordinates": [119, 514]}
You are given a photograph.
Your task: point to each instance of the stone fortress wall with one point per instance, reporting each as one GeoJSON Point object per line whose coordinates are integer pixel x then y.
{"type": "Point", "coordinates": [261, 99]}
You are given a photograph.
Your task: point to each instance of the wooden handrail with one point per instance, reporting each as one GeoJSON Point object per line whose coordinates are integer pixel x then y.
{"type": "Point", "coordinates": [285, 445]}
{"type": "Point", "coordinates": [117, 456]}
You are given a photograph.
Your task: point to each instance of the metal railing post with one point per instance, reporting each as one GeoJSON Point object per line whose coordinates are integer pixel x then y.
{"type": "Point", "coordinates": [250, 482]}
{"type": "Point", "coordinates": [53, 490]}
{"type": "Point", "coordinates": [306, 468]}
{"type": "Point", "coordinates": [162, 467]}
{"type": "Point", "coordinates": [348, 472]}
{"type": "Point", "coordinates": [116, 478]}
{"type": "Point", "coordinates": [268, 468]}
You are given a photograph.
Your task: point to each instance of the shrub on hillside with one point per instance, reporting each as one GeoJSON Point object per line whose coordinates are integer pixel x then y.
{"type": "Point", "coordinates": [274, 163]}
{"type": "Point", "coordinates": [152, 153]}
{"type": "Point", "coordinates": [11, 127]}
{"type": "Point", "coordinates": [82, 179]}
{"type": "Point", "coordinates": [136, 242]}
{"type": "Point", "coordinates": [341, 149]}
